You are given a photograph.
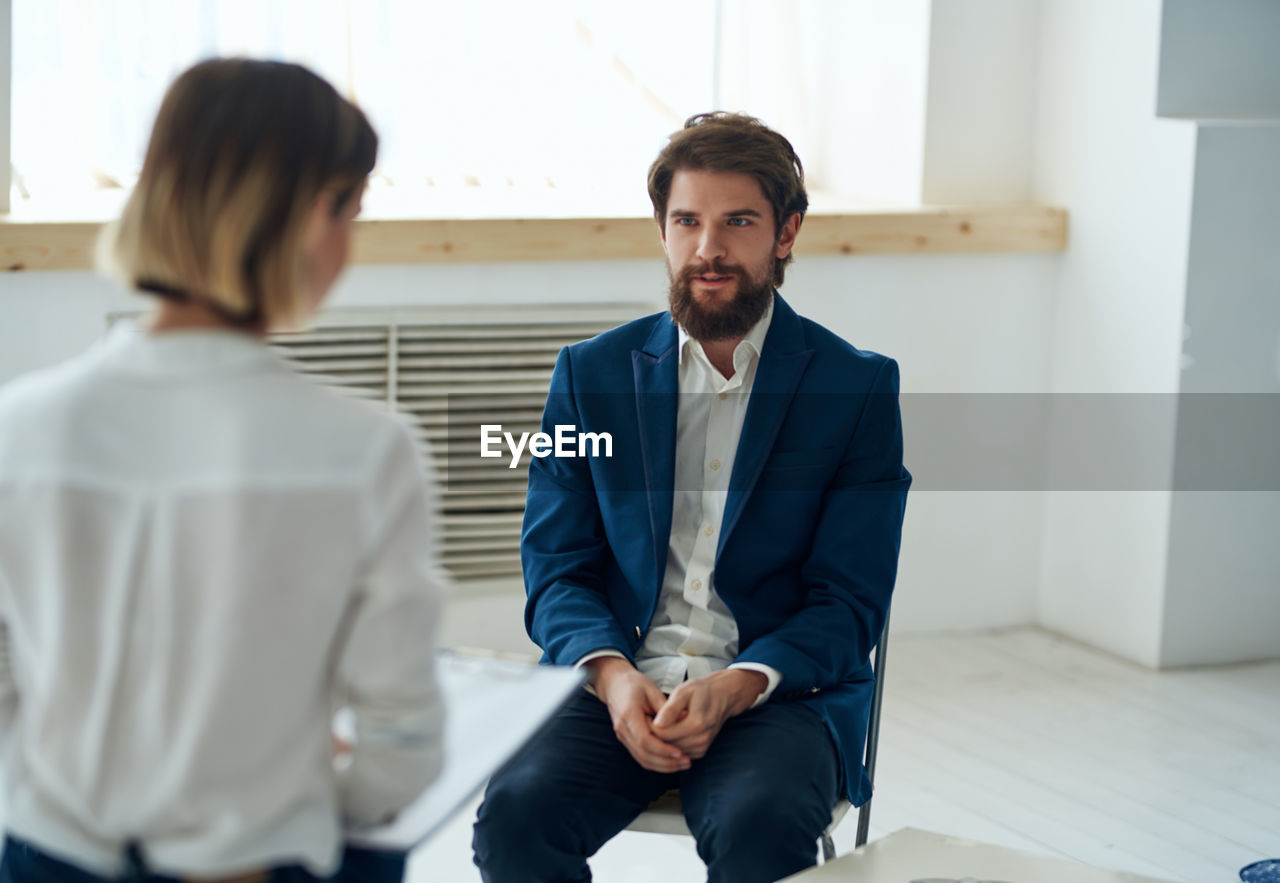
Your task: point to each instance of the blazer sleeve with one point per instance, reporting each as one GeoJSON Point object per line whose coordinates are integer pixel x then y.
{"type": "Point", "coordinates": [563, 548]}
{"type": "Point", "coordinates": [849, 574]}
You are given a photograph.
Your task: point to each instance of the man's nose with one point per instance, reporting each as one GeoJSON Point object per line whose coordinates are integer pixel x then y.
{"type": "Point", "coordinates": [710, 245]}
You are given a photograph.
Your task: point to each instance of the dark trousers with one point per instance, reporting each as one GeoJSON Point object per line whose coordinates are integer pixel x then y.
{"type": "Point", "coordinates": [756, 803]}
{"type": "Point", "coordinates": [25, 863]}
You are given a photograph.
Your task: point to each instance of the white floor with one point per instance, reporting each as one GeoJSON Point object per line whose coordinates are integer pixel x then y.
{"type": "Point", "coordinates": [1027, 740]}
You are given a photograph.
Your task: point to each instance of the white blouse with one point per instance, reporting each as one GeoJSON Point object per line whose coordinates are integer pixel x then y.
{"type": "Point", "coordinates": [202, 556]}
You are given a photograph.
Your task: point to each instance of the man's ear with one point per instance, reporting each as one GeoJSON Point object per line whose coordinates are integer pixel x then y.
{"type": "Point", "coordinates": [787, 236]}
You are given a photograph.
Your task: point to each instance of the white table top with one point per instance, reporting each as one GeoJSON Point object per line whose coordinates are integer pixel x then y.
{"type": "Point", "coordinates": [914, 856]}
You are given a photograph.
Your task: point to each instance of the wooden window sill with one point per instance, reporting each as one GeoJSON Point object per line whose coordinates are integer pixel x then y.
{"type": "Point", "coordinates": [69, 245]}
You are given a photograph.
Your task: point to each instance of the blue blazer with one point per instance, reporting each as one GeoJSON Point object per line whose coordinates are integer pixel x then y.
{"type": "Point", "coordinates": [808, 549]}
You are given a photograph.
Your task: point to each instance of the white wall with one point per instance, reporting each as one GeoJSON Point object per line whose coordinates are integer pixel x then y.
{"type": "Point", "coordinates": [979, 125]}
{"type": "Point", "coordinates": [1118, 305]}
{"type": "Point", "coordinates": [1169, 287]}
{"type": "Point", "coordinates": [956, 324]}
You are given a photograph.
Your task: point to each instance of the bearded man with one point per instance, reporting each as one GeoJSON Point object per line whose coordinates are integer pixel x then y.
{"type": "Point", "coordinates": [723, 577]}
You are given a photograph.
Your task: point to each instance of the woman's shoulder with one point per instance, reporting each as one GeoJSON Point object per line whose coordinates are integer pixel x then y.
{"type": "Point", "coordinates": [339, 409]}
{"type": "Point", "coordinates": [42, 388]}
{"type": "Point", "coordinates": [334, 422]}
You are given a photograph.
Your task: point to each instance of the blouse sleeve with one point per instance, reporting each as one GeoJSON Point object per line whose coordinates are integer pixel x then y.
{"type": "Point", "coordinates": [386, 670]}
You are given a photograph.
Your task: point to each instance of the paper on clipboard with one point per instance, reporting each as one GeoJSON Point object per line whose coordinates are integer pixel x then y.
{"type": "Point", "coordinates": [492, 708]}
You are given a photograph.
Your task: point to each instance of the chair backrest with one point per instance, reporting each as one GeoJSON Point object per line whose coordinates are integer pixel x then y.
{"type": "Point", "coordinates": [873, 730]}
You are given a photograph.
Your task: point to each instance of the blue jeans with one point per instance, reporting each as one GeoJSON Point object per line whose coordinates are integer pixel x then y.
{"type": "Point", "coordinates": [25, 863]}
{"type": "Point", "coordinates": [756, 803]}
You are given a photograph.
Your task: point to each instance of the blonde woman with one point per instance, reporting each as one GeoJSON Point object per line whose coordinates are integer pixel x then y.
{"type": "Point", "coordinates": [202, 554]}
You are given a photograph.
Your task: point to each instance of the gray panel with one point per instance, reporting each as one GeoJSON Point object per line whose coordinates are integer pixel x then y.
{"type": "Point", "coordinates": [1222, 601]}
{"type": "Point", "coordinates": [1233, 262]}
{"type": "Point", "coordinates": [1219, 59]}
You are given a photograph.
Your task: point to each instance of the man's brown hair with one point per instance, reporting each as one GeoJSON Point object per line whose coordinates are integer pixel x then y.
{"type": "Point", "coordinates": [733, 142]}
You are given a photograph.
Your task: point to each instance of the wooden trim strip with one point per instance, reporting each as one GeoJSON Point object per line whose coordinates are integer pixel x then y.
{"type": "Point", "coordinates": [47, 246]}
{"type": "Point", "coordinates": [929, 230]}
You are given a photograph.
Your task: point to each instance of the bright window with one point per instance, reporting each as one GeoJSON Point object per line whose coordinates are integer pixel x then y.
{"type": "Point", "coordinates": [565, 97]}
{"type": "Point", "coordinates": [486, 108]}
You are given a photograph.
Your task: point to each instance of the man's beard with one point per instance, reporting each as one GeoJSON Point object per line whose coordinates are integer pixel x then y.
{"type": "Point", "coordinates": [725, 321]}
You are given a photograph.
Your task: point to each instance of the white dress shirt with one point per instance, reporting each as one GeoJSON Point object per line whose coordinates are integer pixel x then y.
{"type": "Point", "coordinates": [693, 633]}
{"type": "Point", "coordinates": [202, 555]}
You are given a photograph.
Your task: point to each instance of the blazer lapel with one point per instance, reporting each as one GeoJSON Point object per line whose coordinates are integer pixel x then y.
{"type": "Point", "coordinates": [782, 363]}
{"type": "Point", "coordinates": [656, 384]}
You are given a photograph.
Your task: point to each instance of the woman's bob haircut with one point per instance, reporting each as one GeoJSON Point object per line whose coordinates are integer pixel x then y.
{"type": "Point", "coordinates": [239, 155]}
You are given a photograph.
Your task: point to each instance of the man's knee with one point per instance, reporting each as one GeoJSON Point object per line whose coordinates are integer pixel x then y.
{"type": "Point", "coordinates": [758, 835]}
{"type": "Point", "coordinates": [761, 819]}
{"type": "Point", "coordinates": [530, 826]}
{"type": "Point", "coordinates": [519, 808]}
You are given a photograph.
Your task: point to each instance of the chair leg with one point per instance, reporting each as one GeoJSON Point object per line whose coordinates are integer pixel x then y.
{"type": "Point", "coordinates": [864, 823]}
{"type": "Point", "coordinates": [828, 847]}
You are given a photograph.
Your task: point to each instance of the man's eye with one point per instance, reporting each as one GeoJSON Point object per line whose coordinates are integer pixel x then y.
{"type": "Point", "coordinates": [685, 222]}
{"type": "Point", "coordinates": [739, 222]}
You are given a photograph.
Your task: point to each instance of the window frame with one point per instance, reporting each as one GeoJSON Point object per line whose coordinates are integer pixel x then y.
{"type": "Point", "coordinates": [6, 85]}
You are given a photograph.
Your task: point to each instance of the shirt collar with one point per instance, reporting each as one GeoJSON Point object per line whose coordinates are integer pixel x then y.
{"type": "Point", "coordinates": [754, 340]}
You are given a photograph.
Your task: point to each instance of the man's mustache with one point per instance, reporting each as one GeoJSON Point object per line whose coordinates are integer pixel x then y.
{"type": "Point", "coordinates": [714, 268]}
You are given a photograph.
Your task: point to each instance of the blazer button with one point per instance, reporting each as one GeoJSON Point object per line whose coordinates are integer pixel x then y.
{"type": "Point", "coordinates": [815, 690]}
{"type": "Point", "coordinates": [638, 635]}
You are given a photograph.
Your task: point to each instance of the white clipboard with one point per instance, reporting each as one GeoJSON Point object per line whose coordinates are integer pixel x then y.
{"type": "Point", "coordinates": [492, 707]}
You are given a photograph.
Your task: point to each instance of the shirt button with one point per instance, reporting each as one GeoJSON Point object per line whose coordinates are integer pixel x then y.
{"type": "Point", "coordinates": [715, 464]}
{"type": "Point", "coordinates": [697, 584]}
{"type": "Point", "coordinates": [721, 395]}
{"type": "Point", "coordinates": [708, 530]}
